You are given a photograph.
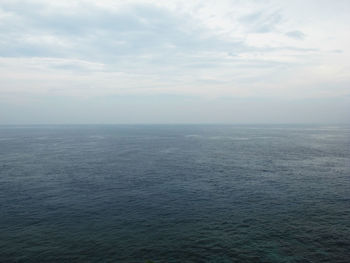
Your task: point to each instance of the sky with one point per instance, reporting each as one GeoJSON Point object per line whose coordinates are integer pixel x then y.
{"type": "Point", "coordinates": [191, 61]}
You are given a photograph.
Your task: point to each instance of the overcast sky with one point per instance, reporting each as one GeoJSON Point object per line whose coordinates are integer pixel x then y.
{"type": "Point", "coordinates": [85, 61]}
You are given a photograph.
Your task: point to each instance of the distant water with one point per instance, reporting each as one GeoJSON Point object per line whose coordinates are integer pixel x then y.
{"type": "Point", "coordinates": [174, 193]}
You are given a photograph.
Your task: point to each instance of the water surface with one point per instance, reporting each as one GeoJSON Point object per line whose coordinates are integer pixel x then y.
{"type": "Point", "coordinates": [172, 193]}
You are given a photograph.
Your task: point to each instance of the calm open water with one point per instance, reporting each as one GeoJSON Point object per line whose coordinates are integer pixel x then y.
{"type": "Point", "coordinates": [172, 193]}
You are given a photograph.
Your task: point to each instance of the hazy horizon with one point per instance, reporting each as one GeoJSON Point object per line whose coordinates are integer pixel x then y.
{"type": "Point", "coordinates": [178, 62]}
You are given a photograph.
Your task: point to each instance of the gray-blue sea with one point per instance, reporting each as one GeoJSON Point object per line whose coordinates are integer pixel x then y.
{"type": "Point", "coordinates": [175, 193]}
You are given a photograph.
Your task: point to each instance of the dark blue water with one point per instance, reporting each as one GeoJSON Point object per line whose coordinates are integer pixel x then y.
{"type": "Point", "coordinates": [174, 194]}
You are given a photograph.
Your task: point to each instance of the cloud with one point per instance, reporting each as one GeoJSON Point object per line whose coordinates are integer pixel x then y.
{"type": "Point", "coordinates": [296, 34]}
{"type": "Point", "coordinates": [140, 31]}
{"type": "Point", "coordinates": [261, 22]}
{"type": "Point", "coordinates": [130, 29]}
{"type": "Point", "coordinates": [202, 49]}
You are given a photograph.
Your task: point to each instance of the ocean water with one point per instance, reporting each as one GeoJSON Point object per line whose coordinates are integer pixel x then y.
{"type": "Point", "coordinates": [172, 193]}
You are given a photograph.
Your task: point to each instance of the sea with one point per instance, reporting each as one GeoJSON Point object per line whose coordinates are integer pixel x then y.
{"type": "Point", "coordinates": [175, 193]}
